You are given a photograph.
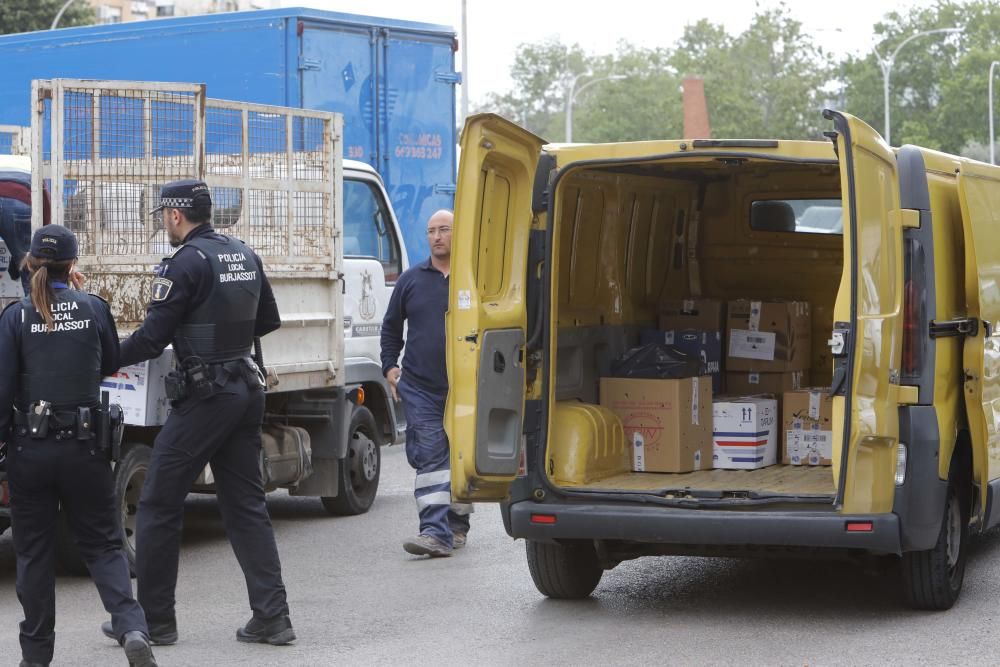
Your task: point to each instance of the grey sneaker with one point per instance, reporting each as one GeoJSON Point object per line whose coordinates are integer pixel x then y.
{"type": "Point", "coordinates": [425, 545]}
{"type": "Point", "coordinates": [458, 540]}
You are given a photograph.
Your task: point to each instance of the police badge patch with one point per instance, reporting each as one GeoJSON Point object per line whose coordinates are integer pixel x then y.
{"type": "Point", "coordinates": [161, 288]}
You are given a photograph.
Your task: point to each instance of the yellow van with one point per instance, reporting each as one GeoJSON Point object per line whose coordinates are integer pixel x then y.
{"type": "Point", "coordinates": [562, 254]}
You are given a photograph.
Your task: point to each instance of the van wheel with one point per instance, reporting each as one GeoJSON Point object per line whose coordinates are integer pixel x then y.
{"type": "Point", "coordinates": [360, 469]}
{"type": "Point", "coordinates": [564, 572]}
{"type": "Point", "coordinates": [130, 475]}
{"type": "Point", "coordinates": [932, 579]}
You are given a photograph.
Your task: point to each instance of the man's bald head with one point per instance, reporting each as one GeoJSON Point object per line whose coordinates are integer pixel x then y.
{"type": "Point", "coordinates": [439, 228]}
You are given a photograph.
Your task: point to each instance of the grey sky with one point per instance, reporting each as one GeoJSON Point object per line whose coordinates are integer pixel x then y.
{"type": "Point", "coordinates": [496, 28]}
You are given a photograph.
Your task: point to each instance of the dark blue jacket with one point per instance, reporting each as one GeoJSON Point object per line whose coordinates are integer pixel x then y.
{"type": "Point", "coordinates": [10, 352]}
{"type": "Point", "coordinates": [420, 298]}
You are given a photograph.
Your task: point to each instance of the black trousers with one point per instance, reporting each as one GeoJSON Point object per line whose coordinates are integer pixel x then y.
{"type": "Point", "coordinates": [44, 474]}
{"type": "Point", "coordinates": [223, 431]}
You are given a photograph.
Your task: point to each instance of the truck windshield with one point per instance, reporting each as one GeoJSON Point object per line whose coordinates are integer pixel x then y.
{"type": "Point", "coordinates": [368, 230]}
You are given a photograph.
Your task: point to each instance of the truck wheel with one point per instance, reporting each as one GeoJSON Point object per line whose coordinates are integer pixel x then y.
{"type": "Point", "coordinates": [130, 474]}
{"type": "Point", "coordinates": [564, 572]}
{"type": "Point", "coordinates": [932, 579]}
{"type": "Point", "coordinates": [360, 469]}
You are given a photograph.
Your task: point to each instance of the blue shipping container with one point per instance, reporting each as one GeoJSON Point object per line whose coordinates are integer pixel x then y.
{"type": "Point", "coordinates": [394, 82]}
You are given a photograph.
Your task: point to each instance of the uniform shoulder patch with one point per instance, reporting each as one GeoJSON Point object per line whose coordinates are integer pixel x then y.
{"type": "Point", "coordinates": [161, 288]}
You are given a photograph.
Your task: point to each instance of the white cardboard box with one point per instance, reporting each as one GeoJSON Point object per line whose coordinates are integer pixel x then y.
{"type": "Point", "coordinates": [744, 432]}
{"type": "Point", "coordinates": [139, 390]}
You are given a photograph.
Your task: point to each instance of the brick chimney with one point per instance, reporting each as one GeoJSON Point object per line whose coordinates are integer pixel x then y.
{"type": "Point", "coordinates": [696, 124]}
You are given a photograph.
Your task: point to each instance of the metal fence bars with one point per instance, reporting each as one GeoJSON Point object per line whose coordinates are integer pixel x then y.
{"type": "Point", "coordinates": [106, 147]}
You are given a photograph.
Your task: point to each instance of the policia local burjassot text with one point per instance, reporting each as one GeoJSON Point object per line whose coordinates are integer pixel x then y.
{"type": "Point", "coordinates": [62, 313]}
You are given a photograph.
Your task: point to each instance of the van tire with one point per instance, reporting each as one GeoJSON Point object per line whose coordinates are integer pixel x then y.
{"type": "Point", "coordinates": [360, 470]}
{"type": "Point", "coordinates": [563, 572]}
{"type": "Point", "coordinates": [932, 579]}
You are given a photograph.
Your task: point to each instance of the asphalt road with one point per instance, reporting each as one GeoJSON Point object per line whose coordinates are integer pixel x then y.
{"type": "Point", "coordinates": [358, 599]}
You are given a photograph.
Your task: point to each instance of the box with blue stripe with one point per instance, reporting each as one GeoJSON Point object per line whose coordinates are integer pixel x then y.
{"type": "Point", "coordinates": [744, 432]}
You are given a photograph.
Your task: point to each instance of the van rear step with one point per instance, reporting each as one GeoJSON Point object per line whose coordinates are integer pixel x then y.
{"type": "Point", "coordinates": [776, 480]}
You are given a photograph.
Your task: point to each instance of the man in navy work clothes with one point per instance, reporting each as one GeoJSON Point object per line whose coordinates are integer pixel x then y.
{"type": "Point", "coordinates": [420, 298]}
{"type": "Point", "coordinates": [56, 345]}
{"type": "Point", "coordinates": [210, 299]}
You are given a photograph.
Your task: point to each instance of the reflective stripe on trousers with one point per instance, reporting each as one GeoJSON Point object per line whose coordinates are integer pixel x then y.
{"type": "Point", "coordinates": [427, 451]}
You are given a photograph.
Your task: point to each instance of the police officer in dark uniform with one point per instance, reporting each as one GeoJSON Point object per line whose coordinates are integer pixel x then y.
{"type": "Point", "coordinates": [56, 345]}
{"type": "Point", "coordinates": [210, 299]}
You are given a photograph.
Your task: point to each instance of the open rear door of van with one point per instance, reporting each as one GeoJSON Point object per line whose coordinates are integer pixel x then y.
{"type": "Point", "coordinates": [979, 194]}
{"type": "Point", "coordinates": [487, 306]}
{"type": "Point", "coordinates": [867, 340]}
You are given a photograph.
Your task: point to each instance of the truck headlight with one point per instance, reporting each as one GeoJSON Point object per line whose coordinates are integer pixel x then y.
{"type": "Point", "coordinates": [900, 464]}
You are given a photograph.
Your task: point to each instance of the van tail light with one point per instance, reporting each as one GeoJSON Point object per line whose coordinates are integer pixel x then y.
{"type": "Point", "coordinates": [545, 519]}
{"type": "Point", "coordinates": [913, 310]}
{"type": "Point", "coordinates": [859, 527]}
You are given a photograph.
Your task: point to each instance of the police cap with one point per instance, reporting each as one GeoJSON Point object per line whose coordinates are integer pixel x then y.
{"type": "Point", "coordinates": [186, 193]}
{"type": "Point", "coordinates": [54, 242]}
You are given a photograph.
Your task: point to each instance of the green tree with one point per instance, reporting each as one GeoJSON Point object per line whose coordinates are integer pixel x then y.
{"type": "Point", "coordinates": [938, 82]}
{"type": "Point", "coordinates": [768, 81]}
{"type": "Point", "coordinates": [31, 15]}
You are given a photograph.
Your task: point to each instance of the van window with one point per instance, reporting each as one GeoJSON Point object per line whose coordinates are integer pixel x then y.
{"type": "Point", "coordinates": [368, 230]}
{"type": "Point", "coordinates": [810, 216]}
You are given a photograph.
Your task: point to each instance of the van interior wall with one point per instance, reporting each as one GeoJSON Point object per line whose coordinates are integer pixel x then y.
{"type": "Point", "coordinates": [629, 238]}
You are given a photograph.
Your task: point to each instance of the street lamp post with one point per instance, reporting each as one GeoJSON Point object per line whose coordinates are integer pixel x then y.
{"type": "Point", "coordinates": [886, 65]}
{"type": "Point", "coordinates": [572, 92]}
{"type": "Point", "coordinates": [62, 10]}
{"type": "Point", "coordinates": [992, 140]}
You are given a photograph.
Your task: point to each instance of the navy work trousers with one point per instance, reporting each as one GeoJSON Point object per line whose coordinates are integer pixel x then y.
{"type": "Point", "coordinates": [223, 431]}
{"type": "Point", "coordinates": [427, 451]}
{"type": "Point", "coordinates": [43, 475]}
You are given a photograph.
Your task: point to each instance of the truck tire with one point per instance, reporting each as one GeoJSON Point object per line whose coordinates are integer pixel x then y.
{"type": "Point", "coordinates": [564, 572]}
{"type": "Point", "coordinates": [932, 579]}
{"type": "Point", "coordinates": [130, 474]}
{"type": "Point", "coordinates": [359, 471]}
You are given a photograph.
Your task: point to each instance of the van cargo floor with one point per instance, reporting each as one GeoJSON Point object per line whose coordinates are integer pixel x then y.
{"type": "Point", "coordinates": [780, 479]}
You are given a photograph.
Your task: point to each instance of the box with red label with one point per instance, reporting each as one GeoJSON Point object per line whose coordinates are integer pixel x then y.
{"type": "Point", "coordinates": [744, 432]}
{"type": "Point", "coordinates": [668, 422]}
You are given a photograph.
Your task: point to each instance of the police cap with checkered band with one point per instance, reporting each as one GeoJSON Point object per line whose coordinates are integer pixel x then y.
{"type": "Point", "coordinates": [184, 194]}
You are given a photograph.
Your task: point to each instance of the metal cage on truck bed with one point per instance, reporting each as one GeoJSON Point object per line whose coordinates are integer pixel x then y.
{"type": "Point", "coordinates": [103, 149]}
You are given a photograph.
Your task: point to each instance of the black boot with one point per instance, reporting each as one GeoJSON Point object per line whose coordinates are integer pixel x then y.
{"type": "Point", "coordinates": [25, 663]}
{"type": "Point", "coordinates": [276, 631]}
{"type": "Point", "coordinates": [137, 650]}
{"type": "Point", "coordinates": [160, 634]}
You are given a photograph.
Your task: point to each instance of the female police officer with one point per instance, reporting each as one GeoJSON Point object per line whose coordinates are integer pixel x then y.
{"type": "Point", "coordinates": [56, 345]}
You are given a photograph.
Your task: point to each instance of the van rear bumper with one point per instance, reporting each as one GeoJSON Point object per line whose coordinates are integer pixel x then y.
{"type": "Point", "coordinates": [666, 525]}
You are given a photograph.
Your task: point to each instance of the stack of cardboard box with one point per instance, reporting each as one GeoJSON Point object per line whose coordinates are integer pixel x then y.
{"type": "Point", "coordinates": [769, 346]}
{"type": "Point", "coordinates": [730, 418]}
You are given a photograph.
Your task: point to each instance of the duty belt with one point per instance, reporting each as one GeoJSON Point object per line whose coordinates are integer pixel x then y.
{"type": "Point", "coordinates": [66, 424]}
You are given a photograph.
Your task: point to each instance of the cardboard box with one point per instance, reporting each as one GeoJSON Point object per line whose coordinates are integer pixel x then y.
{"type": "Point", "coordinates": [807, 425]}
{"type": "Point", "coordinates": [748, 383]}
{"type": "Point", "coordinates": [701, 314]}
{"type": "Point", "coordinates": [705, 345]}
{"type": "Point", "coordinates": [768, 336]}
{"type": "Point", "coordinates": [668, 422]}
{"type": "Point", "coordinates": [744, 432]}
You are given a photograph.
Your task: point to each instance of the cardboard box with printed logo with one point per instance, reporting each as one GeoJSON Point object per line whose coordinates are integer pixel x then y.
{"type": "Point", "coordinates": [808, 431]}
{"type": "Point", "coordinates": [744, 432]}
{"type": "Point", "coordinates": [667, 422]}
{"type": "Point", "coordinates": [704, 345]}
{"type": "Point", "coordinates": [768, 336]}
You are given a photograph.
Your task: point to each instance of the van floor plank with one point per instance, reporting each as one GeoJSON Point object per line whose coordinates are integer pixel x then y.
{"type": "Point", "coordinates": [793, 480]}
